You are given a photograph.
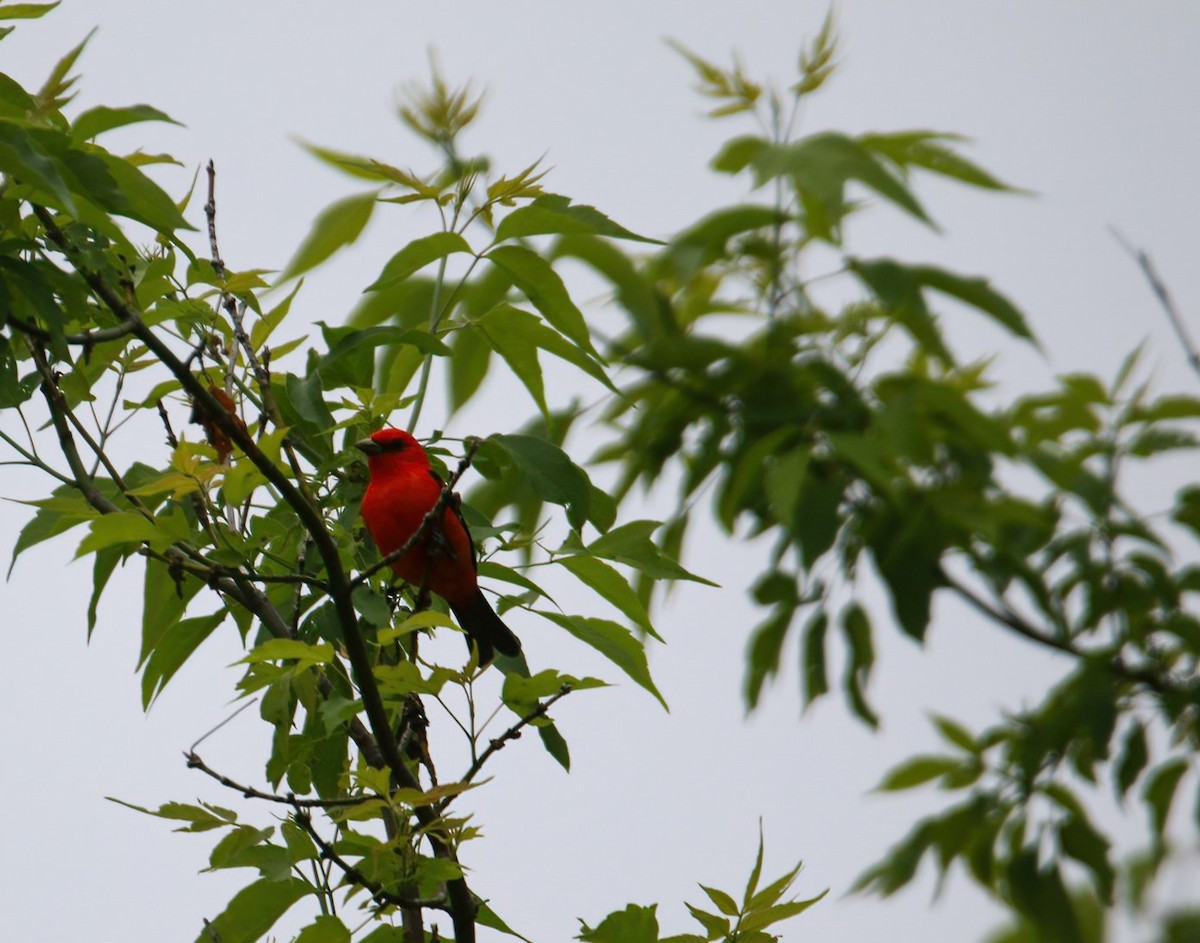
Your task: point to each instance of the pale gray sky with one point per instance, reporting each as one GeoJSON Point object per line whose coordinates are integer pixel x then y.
{"type": "Point", "coordinates": [1091, 104]}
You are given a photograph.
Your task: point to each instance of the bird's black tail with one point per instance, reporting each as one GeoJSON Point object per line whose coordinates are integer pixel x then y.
{"type": "Point", "coordinates": [480, 622]}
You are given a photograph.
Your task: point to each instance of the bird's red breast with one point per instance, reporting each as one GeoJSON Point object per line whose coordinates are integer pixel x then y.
{"type": "Point", "coordinates": [402, 490]}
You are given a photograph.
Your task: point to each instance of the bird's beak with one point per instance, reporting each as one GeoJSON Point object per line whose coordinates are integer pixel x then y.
{"type": "Point", "coordinates": [369, 447]}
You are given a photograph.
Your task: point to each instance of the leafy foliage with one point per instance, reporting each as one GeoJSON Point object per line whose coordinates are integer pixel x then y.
{"type": "Point", "coordinates": [851, 434]}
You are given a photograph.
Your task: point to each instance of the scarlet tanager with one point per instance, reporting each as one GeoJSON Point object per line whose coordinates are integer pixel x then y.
{"type": "Point", "coordinates": [402, 490]}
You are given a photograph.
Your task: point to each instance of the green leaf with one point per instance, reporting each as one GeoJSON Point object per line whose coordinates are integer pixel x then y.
{"type": "Point", "coordinates": [517, 335]}
{"type": "Point", "coordinates": [55, 515]}
{"type": "Point", "coordinates": [917, 770]}
{"type": "Point", "coordinates": [770, 894]}
{"type": "Point", "coordinates": [899, 290]}
{"type": "Point", "coordinates": [631, 544]}
{"type": "Point", "coordinates": [522, 694]}
{"type": "Point", "coordinates": [470, 360]}
{"type": "Point", "coordinates": [856, 627]}
{"type": "Point", "coordinates": [121, 528]}
{"type": "Point", "coordinates": [1159, 792]}
{"type": "Point", "coordinates": [766, 644]}
{"type": "Point", "coordinates": [253, 911]}
{"type": "Point", "coordinates": [367, 168]}
{"type": "Point", "coordinates": [634, 289]}
{"type": "Point", "coordinates": [102, 568]}
{"type": "Point", "coordinates": [634, 924]}
{"type": "Point", "coordinates": [927, 150]}
{"type": "Point", "coordinates": [726, 904]}
{"type": "Point", "coordinates": [1081, 841]}
{"type": "Point", "coordinates": [202, 818]}
{"type": "Point", "coordinates": [338, 225]}
{"type": "Point", "coordinates": [325, 929]}
{"type": "Point", "coordinates": [385, 933]}
{"type": "Point", "coordinates": [716, 927]}
{"type": "Point", "coordinates": [706, 242]}
{"type": "Point", "coordinates": [350, 360]}
{"type": "Point", "coordinates": [504, 333]}
{"type": "Point", "coordinates": [174, 648]}
{"type": "Point", "coordinates": [955, 733]}
{"type": "Point", "coordinates": [141, 198]}
{"type": "Point", "coordinates": [95, 121]}
{"type": "Point", "coordinates": [814, 667]}
{"type": "Point", "coordinates": [265, 326]}
{"type": "Point", "coordinates": [977, 293]}
{"type": "Point", "coordinates": [1132, 759]}
{"type": "Point", "coordinates": [610, 585]}
{"type": "Point", "coordinates": [288, 649]}
{"type": "Point", "coordinates": [777, 914]}
{"type": "Point", "coordinates": [545, 290]}
{"type": "Point", "coordinates": [823, 162]}
{"type": "Point", "coordinates": [486, 917]}
{"type": "Point", "coordinates": [614, 642]}
{"type": "Point", "coordinates": [755, 872]}
{"type": "Point", "coordinates": [26, 11]}
{"type": "Point", "coordinates": [165, 596]}
{"type": "Point", "coordinates": [306, 399]}
{"type": "Point", "coordinates": [819, 167]}
{"type": "Point", "coordinates": [551, 213]}
{"type": "Point", "coordinates": [416, 255]}
{"type": "Point", "coordinates": [549, 471]}
{"type": "Point", "coordinates": [907, 555]}
{"type": "Point", "coordinates": [1166, 408]}
{"type": "Point", "coordinates": [25, 161]}
{"type": "Point", "coordinates": [1041, 896]}
{"type": "Point", "coordinates": [556, 745]}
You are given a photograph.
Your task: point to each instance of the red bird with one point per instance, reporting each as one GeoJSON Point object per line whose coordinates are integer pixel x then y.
{"type": "Point", "coordinates": [402, 490]}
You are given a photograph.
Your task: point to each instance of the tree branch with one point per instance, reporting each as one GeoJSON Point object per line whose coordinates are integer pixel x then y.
{"type": "Point", "coordinates": [87, 339]}
{"type": "Point", "coordinates": [499, 743]}
{"type": "Point", "coordinates": [340, 588]}
{"type": "Point", "coordinates": [1008, 618]}
{"type": "Point", "coordinates": [357, 878]}
{"type": "Point", "coordinates": [249, 792]}
{"type": "Point", "coordinates": [1163, 294]}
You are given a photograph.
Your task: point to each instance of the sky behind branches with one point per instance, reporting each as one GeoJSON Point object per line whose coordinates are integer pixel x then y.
{"type": "Point", "coordinates": [1092, 106]}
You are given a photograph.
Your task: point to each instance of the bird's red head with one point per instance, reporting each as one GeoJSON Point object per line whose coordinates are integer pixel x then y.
{"type": "Point", "coordinates": [392, 447]}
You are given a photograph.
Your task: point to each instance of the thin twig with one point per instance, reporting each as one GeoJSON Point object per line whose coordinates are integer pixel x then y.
{"type": "Point", "coordinates": [249, 792]}
{"type": "Point", "coordinates": [58, 410]}
{"type": "Point", "coordinates": [31, 458]}
{"type": "Point", "coordinates": [1163, 294]}
{"type": "Point", "coordinates": [210, 214]}
{"type": "Point", "coordinates": [1006, 617]}
{"type": "Point", "coordinates": [87, 339]}
{"type": "Point", "coordinates": [462, 903]}
{"type": "Point", "coordinates": [209, 733]}
{"type": "Point", "coordinates": [357, 878]}
{"type": "Point", "coordinates": [512, 733]}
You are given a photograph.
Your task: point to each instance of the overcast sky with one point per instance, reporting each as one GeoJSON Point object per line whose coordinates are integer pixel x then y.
{"type": "Point", "coordinates": [1092, 105]}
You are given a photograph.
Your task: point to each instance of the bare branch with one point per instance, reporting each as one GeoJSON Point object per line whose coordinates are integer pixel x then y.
{"type": "Point", "coordinates": [87, 339]}
{"type": "Point", "coordinates": [249, 792]}
{"type": "Point", "coordinates": [1006, 617]}
{"type": "Point", "coordinates": [1163, 294]}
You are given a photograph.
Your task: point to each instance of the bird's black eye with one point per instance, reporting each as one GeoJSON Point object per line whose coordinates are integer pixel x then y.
{"type": "Point", "coordinates": [395, 445]}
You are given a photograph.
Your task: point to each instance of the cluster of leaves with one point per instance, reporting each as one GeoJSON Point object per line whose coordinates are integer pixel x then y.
{"type": "Point", "coordinates": [857, 441]}
{"type": "Point", "coordinates": [850, 434]}
{"type": "Point", "coordinates": [746, 922]}
{"type": "Point", "coordinates": [253, 527]}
